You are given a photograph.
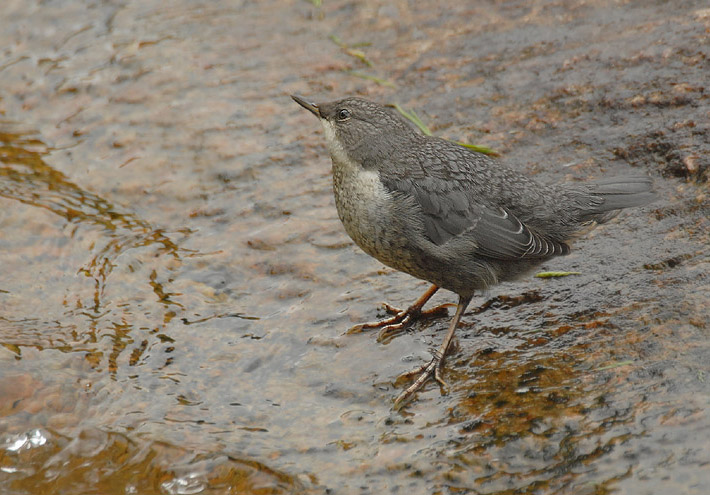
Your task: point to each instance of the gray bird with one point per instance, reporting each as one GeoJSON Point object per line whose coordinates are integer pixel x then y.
{"type": "Point", "coordinates": [447, 214]}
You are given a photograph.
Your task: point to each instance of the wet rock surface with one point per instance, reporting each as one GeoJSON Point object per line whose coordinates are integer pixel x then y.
{"type": "Point", "coordinates": [176, 284]}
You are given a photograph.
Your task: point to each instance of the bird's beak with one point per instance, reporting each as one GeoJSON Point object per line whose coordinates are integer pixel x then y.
{"type": "Point", "coordinates": [311, 107]}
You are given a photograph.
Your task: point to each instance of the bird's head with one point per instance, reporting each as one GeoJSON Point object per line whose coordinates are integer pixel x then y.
{"type": "Point", "coordinates": [364, 131]}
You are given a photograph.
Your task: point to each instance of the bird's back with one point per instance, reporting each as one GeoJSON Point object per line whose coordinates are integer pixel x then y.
{"type": "Point", "coordinates": [453, 185]}
{"type": "Point", "coordinates": [474, 222]}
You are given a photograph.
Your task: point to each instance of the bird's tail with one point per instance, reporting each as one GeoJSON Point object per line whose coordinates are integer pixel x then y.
{"type": "Point", "coordinates": [617, 193]}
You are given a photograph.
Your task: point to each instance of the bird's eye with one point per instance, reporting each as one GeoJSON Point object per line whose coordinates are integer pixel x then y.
{"type": "Point", "coordinates": [343, 114]}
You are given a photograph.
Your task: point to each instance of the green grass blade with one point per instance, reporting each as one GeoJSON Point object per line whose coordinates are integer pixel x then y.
{"type": "Point", "coordinates": [555, 274]}
{"type": "Point", "coordinates": [611, 366]}
{"type": "Point", "coordinates": [378, 80]}
{"type": "Point", "coordinates": [423, 127]}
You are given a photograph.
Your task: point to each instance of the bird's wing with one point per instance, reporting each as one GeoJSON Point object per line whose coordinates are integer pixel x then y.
{"type": "Point", "coordinates": [501, 235]}
{"type": "Point", "coordinates": [449, 211]}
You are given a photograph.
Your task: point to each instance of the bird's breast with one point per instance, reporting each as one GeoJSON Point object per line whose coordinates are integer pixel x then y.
{"type": "Point", "coordinates": [362, 203]}
{"type": "Point", "coordinates": [368, 212]}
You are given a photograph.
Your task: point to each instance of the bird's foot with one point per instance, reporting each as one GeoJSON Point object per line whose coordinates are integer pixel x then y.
{"type": "Point", "coordinates": [426, 372]}
{"type": "Point", "coordinates": [400, 320]}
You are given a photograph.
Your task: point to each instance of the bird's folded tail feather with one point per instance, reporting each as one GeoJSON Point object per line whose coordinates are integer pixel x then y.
{"type": "Point", "coordinates": [617, 193]}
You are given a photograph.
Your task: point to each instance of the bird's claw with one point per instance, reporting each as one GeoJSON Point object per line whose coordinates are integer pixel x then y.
{"type": "Point", "coordinates": [429, 370]}
{"type": "Point", "coordinates": [390, 326]}
{"type": "Point", "coordinates": [400, 320]}
{"type": "Point", "coordinates": [392, 309]}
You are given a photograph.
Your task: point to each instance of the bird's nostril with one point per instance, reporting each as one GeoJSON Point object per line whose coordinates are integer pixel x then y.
{"type": "Point", "coordinates": [311, 107]}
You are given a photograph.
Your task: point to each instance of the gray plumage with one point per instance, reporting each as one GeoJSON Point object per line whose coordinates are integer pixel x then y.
{"type": "Point", "coordinates": [447, 214]}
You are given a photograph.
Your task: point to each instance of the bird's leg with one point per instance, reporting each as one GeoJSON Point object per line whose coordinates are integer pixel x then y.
{"type": "Point", "coordinates": [402, 318]}
{"type": "Point", "coordinates": [433, 368]}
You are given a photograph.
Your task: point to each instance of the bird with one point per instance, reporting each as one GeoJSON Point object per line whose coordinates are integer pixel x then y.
{"type": "Point", "coordinates": [449, 215]}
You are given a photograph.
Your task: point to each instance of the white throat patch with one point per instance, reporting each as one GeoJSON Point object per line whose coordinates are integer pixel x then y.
{"type": "Point", "coordinates": [337, 152]}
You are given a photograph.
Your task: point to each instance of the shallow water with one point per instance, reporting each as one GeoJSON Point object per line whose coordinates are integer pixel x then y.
{"type": "Point", "coordinates": [176, 284]}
